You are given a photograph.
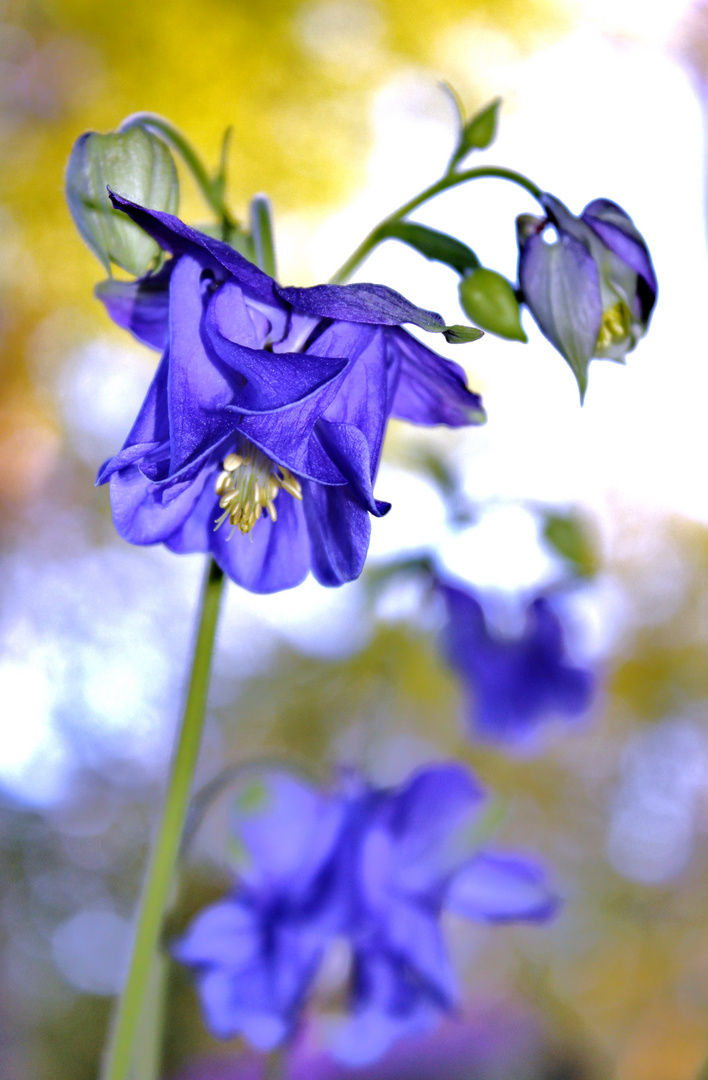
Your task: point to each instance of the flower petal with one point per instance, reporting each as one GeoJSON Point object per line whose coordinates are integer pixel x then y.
{"type": "Point", "coordinates": [501, 888]}
{"type": "Point", "coordinates": [618, 232]}
{"type": "Point", "coordinates": [339, 531]}
{"type": "Point", "coordinates": [431, 390]}
{"type": "Point", "coordinates": [360, 303]}
{"type": "Point", "coordinates": [140, 306]}
{"type": "Point", "coordinates": [173, 235]}
{"type": "Point", "coordinates": [347, 448]}
{"type": "Point", "coordinates": [225, 934]}
{"type": "Point", "coordinates": [266, 380]}
{"type": "Point", "coordinates": [149, 513]}
{"type": "Point", "coordinates": [150, 430]}
{"type": "Point", "coordinates": [274, 555]}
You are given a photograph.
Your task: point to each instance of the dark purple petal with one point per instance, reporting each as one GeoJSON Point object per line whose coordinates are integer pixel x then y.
{"type": "Point", "coordinates": [501, 888]}
{"type": "Point", "coordinates": [618, 232]}
{"type": "Point", "coordinates": [265, 380]}
{"type": "Point", "coordinates": [431, 390]}
{"type": "Point", "coordinates": [361, 303]}
{"type": "Point", "coordinates": [561, 286]}
{"type": "Point", "coordinates": [347, 448]}
{"type": "Point", "coordinates": [363, 400]}
{"type": "Point", "coordinates": [173, 235]}
{"type": "Point", "coordinates": [413, 934]}
{"type": "Point", "coordinates": [339, 531]}
{"type": "Point", "coordinates": [140, 306]}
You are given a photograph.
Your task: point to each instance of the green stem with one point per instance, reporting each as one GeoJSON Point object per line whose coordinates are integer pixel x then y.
{"type": "Point", "coordinates": [448, 181]}
{"type": "Point", "coordinates": [160, 872]}
{"type": "Point", "coordinates": [211, 189]}
{"type": "Point", "coordinates": [262, 233]}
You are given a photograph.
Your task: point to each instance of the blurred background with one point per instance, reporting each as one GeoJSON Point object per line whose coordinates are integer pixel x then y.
{"type": "Point", "coordinates": [339, 115]}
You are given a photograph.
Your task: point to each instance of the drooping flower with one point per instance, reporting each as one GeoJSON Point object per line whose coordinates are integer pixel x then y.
{"type": "Point", "coordinates": [593, 289]}
{"type": "Point", "coordinates": [512, 686]}
{"type": "Point", "coordinates": [375, 868]}
{"type": "Point", "coordinates": [264, 391]}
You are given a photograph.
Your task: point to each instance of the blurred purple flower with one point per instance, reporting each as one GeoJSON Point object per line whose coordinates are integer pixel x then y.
{"type": "Point", "coordinates": [591, 291]}
{"type": "Point", "coordinates": [375, 868]}
{"type": "Point", "coordinates": [264, 390]}
{"type": "Point", "coordinates": [512, 686]}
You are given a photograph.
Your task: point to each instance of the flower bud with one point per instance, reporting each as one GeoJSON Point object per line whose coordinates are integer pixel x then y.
{"type": "Point", "coordinates": [135, 163]}
{"type": "Point", "coordinates": [488, 299]}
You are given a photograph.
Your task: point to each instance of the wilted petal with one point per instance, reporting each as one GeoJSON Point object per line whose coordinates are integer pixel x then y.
{"type": "Point", "coordinates": [431, 390]}
{"type": "Point", "coordinates": [501, 888]}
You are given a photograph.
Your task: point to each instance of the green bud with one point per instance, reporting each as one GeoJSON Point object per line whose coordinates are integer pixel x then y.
{"type": "Point", "coordinates": [570, 537]}
{"type": "Point", "coordinates": [488, 299]}
{"type": "Point", "coordinates": [134, 163]}
{"type": "Point", "coordinates": [478, 133]}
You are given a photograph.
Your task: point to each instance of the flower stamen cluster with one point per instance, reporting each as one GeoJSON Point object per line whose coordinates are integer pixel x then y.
{"type": "Point", "coordinates": [247, 485]}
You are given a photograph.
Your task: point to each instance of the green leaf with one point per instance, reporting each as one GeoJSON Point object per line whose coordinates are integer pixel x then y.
{"type": "Point", "coordinates": [478, 133]}
{"type": "Point", "coordinates": [433, 245]}
{"type": "Point", "coordinates": [135, 163]}
{"type": "Point", "coordinates": [569, 536]}
{"type": "Point", "coordinates": [489, 299]}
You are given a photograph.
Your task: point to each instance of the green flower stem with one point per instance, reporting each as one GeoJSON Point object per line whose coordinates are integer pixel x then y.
{"type": "Point", "coordinates": [450, 180]}
{"type": "Point", "coordinates": [156, 890]}
{"type": "Point", "coordinates": [262, 233]}
{"type": "Point", "coordinates": [211, 188]}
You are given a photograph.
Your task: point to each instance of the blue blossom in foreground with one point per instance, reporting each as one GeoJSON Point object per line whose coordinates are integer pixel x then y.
{"type": "Point", "coordinates": [512, 686]}
{"type": "Point", "coordinates": [266, 393]}
{"type": "Point", "coordinates": [592, 290]}
{"type": "Point", "coordinates": [375, 868]}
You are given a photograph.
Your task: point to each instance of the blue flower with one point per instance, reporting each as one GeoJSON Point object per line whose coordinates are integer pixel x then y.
{"type": "Point", "coordinates": [375, 868]}
{"type": "Point", "coordinates": [512, 686]}
{"type": "Point", "coordinates": [267, 412]}
{"type": "Point", "coordinates": [592, 291]}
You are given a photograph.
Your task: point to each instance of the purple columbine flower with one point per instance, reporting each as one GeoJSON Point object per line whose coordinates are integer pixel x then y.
{"type": "Point", "coordinates": [374, 868]}
{"type": "Point", "coordinates": [266, 393]}
{"type": "Point", "coordinates": [512, 686]}
{"type": "Point", "coordinates": [592, 290]}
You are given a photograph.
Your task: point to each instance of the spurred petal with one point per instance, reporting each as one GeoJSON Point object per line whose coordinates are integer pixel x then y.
{"type": "Point", "coordinates": [431, 389]}
{"type": "Point", "coordinates": [361, 303]}
{"type": "Point", "coordinates": [173, 235]}
{"type": "Point", "coordinates": [139, 306]}
{"type": "Point", "coordinates": [267, 380]}
{"type": "Point", "coordinates": [347, 448]}
{"type": "Point", "coordinates": [339, 531]}
{"type": "Point", "coordinates": [501, 888]}
{"type": "Point", "coordinates": [561, 286]}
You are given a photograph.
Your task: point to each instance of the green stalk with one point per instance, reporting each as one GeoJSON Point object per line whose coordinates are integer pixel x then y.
{"type": "Point", "coordinates": [448, 181]}
{"type": "Point", "coordinates": [160, 872]}
{"type": "Point", "coordinates": [262, 233]}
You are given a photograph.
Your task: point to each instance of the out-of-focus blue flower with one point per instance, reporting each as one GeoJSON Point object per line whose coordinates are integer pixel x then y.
{"type": "Point", "coordinates": [375, 868]}
{"type": "Point", "coordinates": [512, 686]}
{"type": "Point", "coordinates": [591, 291]}
{"type": "Point", "coordinates": [265, 391]}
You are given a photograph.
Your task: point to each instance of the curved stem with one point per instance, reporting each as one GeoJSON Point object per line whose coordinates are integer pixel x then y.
{"type": "Point", "coordinates": [211, 189]}
{"type": "Point", "coordinates": [262, 233]}
{"type": "Point", "coordinates": [448, 181]}
{"type": "Point", "coordinates": [155, 894]}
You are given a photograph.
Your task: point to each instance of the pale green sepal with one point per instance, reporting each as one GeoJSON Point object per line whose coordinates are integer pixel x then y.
{"type": "Point", "coordinates": [134, 163]}
{"type": "Point", "coordinates": [489, 299]}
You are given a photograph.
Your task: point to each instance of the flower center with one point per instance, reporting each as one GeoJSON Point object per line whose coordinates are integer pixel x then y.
{"type": "Point", "coordinates": [248, 484]}
{"type": "Point", "coordinates": [615, 325]}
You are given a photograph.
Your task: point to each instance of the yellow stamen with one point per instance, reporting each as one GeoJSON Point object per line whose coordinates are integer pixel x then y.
{"type": "Point", "coordinates": [248, 484]}
{"type": "Point", "coordinates": [614, 326]}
